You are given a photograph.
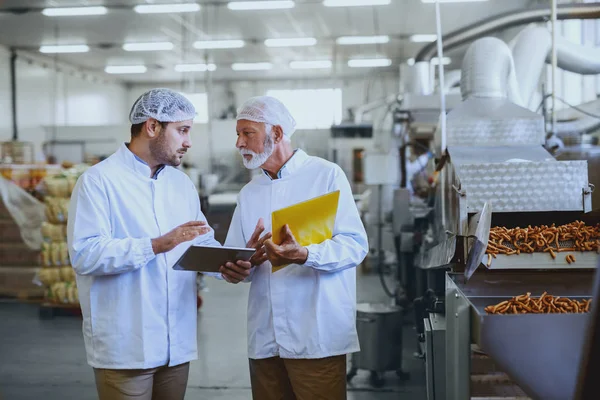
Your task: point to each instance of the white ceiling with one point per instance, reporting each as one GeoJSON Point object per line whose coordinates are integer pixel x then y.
{"type": "Point", "coordinates": [105, 34]}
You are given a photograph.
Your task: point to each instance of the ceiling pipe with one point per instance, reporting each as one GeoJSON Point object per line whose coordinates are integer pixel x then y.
{"type": "Point", "coordinates": [13, 92]}
{"type": "Point", "coordinates": [507, 20]}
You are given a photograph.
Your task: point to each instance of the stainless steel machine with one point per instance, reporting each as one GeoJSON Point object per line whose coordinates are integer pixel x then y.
{"type": "Point", "coordinates": [495, 159]}
{"type": "Point", "coordinates": [379, 328]}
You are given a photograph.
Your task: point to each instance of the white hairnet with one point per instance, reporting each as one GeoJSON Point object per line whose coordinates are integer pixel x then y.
{"type": "Point", "coordinates": [164, 105]}
{"type": "Point", "coordinates": [268, 110]}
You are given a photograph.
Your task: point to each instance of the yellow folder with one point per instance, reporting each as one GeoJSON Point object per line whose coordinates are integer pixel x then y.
{"type": "Point", "coordinates": [310, 221]}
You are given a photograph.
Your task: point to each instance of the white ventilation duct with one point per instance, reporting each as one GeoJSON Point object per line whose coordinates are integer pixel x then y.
{"type": "Point", "coordinates": [452, 79]}
{"type": "Point", "coordinates": [531, 49]}
{"type": "Point", "coordinates": [488, 70]}
{"type": "Point", "coordinates": [491, 113]}
{"type": "Point", "coordinates": [415, 78]}
{"type": "Point", "coordinates": [584, 60]}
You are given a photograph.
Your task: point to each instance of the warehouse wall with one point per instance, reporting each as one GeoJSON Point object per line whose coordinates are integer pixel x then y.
{"type": "Point", "coordinates": [47, 99]}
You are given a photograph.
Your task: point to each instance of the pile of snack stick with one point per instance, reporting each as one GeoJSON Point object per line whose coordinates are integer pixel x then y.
{"type": "Point", "coordinates": [545, 304]}
{"type": "Point", "coordinates": [544, 239]}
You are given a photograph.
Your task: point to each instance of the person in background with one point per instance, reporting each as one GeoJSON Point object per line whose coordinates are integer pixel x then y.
{"type": "Point", "coordinates": [130, 219]}
{"type": "Point", "coordinates": [301, 319]}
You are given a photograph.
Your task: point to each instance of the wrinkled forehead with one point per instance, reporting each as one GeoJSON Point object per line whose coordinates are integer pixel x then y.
{"type": "Point", "coordinates": [244, 124]}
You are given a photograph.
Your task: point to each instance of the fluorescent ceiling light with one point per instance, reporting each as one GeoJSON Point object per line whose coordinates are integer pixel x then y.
{"type": "Point", "coordinates": [219, 44]}
{"type": "Point", "coordinates": [125, 69]}
{"type": "Point", "coordinates": [345, 40]}
{"type": "Point", "coordinates": [365, 63]}
{"type": "Point", "coordinates": [72, 48]}
{"type": "Point", "coordinates": [166, 8]}
{"type": "Point", "coordinates": [195, 67]}
{"type": "Point", "coordinates": [451, 1]}
{"type": "Point", "coordinates": [72, 11]}
{"type": "Point", "coordinates": [424, 38]}
{"type": "Point", "coordinates": [290, 42]}
{"type": "Point", "coordinates": [310, 64]}
{"type": "Point", "coordinates": [446, 61]}
{"type": "Point", "coordinates": [410, 61]}
{"type": "Point", "coordinates": [152, 46]}
{"type": "Point", "coordinates": [261, 5]}
{"type": "Point", "coordinates": [251, 66]}
{"type": "Point", "coordinates": [355, 3]}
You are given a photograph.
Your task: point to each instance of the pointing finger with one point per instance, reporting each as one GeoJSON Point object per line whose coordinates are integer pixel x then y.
{"type": "Point", "coordinates": [260, 227]}
{"type": "Point", "coordinates": [262, 240]}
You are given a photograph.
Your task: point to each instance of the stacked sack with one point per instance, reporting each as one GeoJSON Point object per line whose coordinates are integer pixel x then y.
{"type": "Point", "coordinates": [56, 274]}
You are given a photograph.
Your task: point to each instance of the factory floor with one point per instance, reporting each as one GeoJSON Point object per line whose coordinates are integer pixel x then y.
{"type": "Point", "coordinates": [46, 359]}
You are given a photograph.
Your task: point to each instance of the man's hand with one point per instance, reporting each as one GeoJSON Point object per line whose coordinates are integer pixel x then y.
{"type": "Point", "coordinates": [257, 242]}
{"type": "Point", "coordinates": [288, 251]}
{"type": "Point", "coordinates": [235, 273]}
{"type": "Point", "coordinates": [183, 233]}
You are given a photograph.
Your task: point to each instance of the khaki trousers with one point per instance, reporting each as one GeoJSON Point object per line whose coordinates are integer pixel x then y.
{"type": "Point", "coordinates": [298, 379]}
{"type": "Point", "coordinates": [163, 383]}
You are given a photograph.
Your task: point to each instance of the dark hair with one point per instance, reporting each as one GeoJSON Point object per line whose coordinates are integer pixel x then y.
{"type": "Point", "coordinates": [136, 129]}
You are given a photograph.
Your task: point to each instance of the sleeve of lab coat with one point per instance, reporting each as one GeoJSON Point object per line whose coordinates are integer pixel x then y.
{"type": "Point", "coordinates": [348, 246]}
{"type": "Point", "coordinates": [92, 248]}
{"type": "Point", "coordinates": [207, 239]}
{"type": "Point", "coordinates": [235, 235]}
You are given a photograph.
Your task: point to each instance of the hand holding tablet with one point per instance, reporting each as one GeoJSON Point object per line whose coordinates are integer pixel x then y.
{"type": "Point", "coordinates": [234, 263]}
{"type": "Point", "coordinates": [240, 270]}
{"type": "Point", "coordinates": [212, 258]}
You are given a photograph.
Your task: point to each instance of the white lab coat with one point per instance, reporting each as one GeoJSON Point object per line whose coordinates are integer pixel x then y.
{"type": "Point", "coordinates": [302, 311]}
{"type": "Point", "coordinates": [137, 311]}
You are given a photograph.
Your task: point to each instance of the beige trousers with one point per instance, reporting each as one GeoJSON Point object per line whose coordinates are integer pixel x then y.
{"type": "Point", "coordinates": [163, 383]}
{"type": "Point", "coordinates": [299, 379]}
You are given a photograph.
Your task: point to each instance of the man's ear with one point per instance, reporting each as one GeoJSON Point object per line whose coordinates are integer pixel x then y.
{"type": "Point", "coordinates": [277, 133]}
{"type": "Point", "coordinates": [152, 128]}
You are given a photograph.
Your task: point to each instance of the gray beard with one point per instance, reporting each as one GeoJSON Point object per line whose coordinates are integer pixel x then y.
{"type": "Point", "coordinates": [259, 159]}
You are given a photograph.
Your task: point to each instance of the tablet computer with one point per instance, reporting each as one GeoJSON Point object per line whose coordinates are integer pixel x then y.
{"type": "Point", "coordinates": [210, 258]}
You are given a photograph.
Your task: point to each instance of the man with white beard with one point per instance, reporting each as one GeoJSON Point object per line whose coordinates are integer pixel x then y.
{"type": "Point", "coordinates": [301, 319]}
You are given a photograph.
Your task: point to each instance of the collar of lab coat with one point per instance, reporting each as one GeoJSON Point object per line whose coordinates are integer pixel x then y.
{"type": "Point", "coordinates": [291, 165]}
{"type": "Point", "coordinates": [135, 163]}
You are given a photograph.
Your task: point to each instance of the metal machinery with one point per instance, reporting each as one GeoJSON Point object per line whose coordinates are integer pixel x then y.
{"type": "Point", "coordinates": [495, 157]}
{"type": "Point", "coordinates": [396, 219]}
{"type": "Point", "coordinates": [415, 121]}
{"type": "Point", "coordinates": [379, 328]}
{"type": "Point", "coordinates": [374, 168]}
